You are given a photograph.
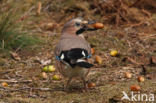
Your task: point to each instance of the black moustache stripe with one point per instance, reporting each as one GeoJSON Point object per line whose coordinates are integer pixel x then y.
{"type": "Point", "coordinates": [80, 31]}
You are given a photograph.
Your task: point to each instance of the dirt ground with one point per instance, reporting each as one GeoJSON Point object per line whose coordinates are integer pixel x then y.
{"type": "Point", "coordinates": [129, 28]}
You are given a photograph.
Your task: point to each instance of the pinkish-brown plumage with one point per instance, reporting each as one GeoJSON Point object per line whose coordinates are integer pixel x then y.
{"type": "Point", "coordinates": [69, 40]}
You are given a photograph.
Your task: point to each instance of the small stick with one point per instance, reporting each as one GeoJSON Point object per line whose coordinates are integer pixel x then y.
{"type": "Point", "coordinates": [133, 61]}
{"type": "Point", "coordinates": [15, 81]}
{"type": "Point", "coordinates": [39, 8]}
{"type": "Point", "coordinates": [146, 12]}
{"type": "Point", "coordinates": [3, 44]}
{"type": "Point", "coordinates": [29, 88]}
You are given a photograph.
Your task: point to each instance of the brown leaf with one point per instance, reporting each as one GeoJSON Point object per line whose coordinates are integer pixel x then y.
{"type": "Point", "coordinates": [153, 60]}
{"type": "Point", "coordinates": [50, 26]}
{"type": "Point", "coordinates": [15, 56]}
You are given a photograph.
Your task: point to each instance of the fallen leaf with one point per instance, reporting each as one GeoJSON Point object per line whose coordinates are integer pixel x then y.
{"type": "Point", "coordinates": [153, 60]}
{"type": "Point", "coordinates": [15, 56]}
{"type": "Point", "coordinates": [42, 61]}
{"type": "Point", "coordinates": [50, 26]}
{"type": "Point", "coordinates": [45, 62]}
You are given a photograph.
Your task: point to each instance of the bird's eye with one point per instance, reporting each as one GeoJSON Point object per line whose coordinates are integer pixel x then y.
{"type": "Point", "coordinates": [77, 24]}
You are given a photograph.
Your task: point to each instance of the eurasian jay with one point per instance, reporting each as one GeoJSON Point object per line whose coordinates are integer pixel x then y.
{"type": "Point", "coordinates": [73, 51]}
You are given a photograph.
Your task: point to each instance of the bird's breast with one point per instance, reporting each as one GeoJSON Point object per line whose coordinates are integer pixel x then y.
{"type": "Point", "coordinates": [70, 72]}
{"type": "Point", "coordinates": [76, 71]}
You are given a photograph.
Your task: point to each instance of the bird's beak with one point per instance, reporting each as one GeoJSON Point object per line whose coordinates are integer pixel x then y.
{"type": "Point", "coordinates": [90, 22]}
{"type": "Point", "coordinates": [84, 22]}
{"type": "Point", "coordinates": [88, 25]}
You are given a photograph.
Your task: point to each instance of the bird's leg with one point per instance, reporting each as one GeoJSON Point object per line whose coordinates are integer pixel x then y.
{"type": "Point", "coordinates": [84, 83]}
{"type": "Point", "coordinates": [68, 82]}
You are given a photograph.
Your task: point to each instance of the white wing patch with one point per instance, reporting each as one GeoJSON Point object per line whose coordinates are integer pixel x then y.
{"type": "Point", "coordinates": [80, 60]}
{"type": "Point", "coordinates": [83, 53]}
{"type": "Point", "coordinates": [62, 56]}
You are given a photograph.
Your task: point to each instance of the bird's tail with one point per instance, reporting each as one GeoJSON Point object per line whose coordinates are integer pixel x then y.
{"type": "Point", "coordinates": [83, 63]}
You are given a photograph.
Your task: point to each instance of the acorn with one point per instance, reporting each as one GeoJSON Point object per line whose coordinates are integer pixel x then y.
{"type": "Point", "coordinates": [44, 75]}
{"type": "Point", "coordinates": [128, 75]}
{"type": "Point", "coordinates": [114, 53]}
{"type": "Point", "coordinates": [141, 79]}
{"type": "Point", "coordinates": [51, 68]}
{"type": "Point", "coordinates": [98, 59]}
{"type": "Point", "coordinates": [92, 51]}
{"type": "Point", "coordinates": [98, 25]}
{"type": "Point", "coordinates": [135, 88]}
{"type": "Point", "coordinates": [56, 77]}
{"type": "Point", "coordinates": [4, 84]}
{"type": "Point", "coordinates": [45, 69]}
{"type": "Point", "coordinates": [90, 85]}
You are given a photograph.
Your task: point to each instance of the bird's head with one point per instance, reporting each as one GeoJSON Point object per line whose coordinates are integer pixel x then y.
{"type": "Point", "coordinates": [77, 26]}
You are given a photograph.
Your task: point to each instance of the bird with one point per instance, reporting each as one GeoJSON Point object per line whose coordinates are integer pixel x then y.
{"type": "Point", "coordinates": [73, 51]}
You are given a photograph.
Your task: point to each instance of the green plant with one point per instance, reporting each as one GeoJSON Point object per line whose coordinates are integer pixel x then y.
{"type": "Point", "coordinates": [11, 33]}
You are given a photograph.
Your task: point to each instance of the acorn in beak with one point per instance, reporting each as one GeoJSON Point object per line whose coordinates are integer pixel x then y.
{"type": "Point", "coordinates": [88, 22]}
{"type": "Point", "coordinates": [93, 25]}
{"type": "Point", "coordinates": [89, 26]}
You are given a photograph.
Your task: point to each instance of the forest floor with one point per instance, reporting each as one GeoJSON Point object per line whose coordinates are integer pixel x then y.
{"type": "Point", "coordinates": [129, 30]}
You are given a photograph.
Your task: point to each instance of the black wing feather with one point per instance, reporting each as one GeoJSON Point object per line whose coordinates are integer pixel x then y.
{"type": "Point", "coordinates": [71, 57]}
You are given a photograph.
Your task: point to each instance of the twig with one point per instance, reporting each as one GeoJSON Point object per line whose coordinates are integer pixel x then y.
{"type": "Point", "coordinates": [13, 90]}
{"type": "Point", "coordinates": [39, 8]}
{"type": "Point", "coordinates": [42, 89]}
{"type": "Point", "coordinates": [135, 3]}
{"type": "Point", "coordinates": [119, 14]}
{"type": "Point", "coordinates": [133, 61]}
{"type": "Point", "coordinates": [150, 36]}
{"type": "Point", "coordinates": [3, 44]}
{"type": "Point", "coordinates": [5, 72]}
{"type": "Point", "coordinates": [26, 14]}
{"type": "Point", "coordinates": [15, 81]}
{"type": "Point", "coordinates": [18, 48]}
{"type": "Point", "coordinates": [29, 88]}
{"type": "Point", "coordinates": [146, 12]}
